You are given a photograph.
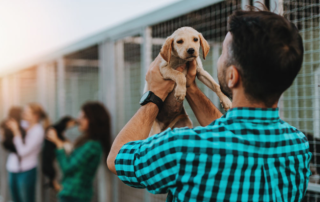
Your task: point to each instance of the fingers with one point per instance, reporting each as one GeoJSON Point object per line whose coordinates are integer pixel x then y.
{"type": "Point", "coordinates": [181, 68]}
{"type": "Point", "coordinates": [193, 66]}
{"type": "Point", "coordinates": [154, 67]}
{"type": "Point", "coordinates": [155, 63]}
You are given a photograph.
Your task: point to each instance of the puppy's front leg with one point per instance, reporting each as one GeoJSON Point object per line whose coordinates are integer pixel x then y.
{"type": "Point", "coordinates": [178, 77]}
{"type": "Point", "coordinates": [207, 79]}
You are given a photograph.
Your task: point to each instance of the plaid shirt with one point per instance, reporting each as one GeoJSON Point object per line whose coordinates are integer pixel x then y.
{"type": "Point", "coordinates": [249, 154]}
{"type": "Point", "coordinates": [79, 170]}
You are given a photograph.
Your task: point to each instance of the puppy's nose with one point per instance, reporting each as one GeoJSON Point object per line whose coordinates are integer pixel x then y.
{"type": "Point", "coordinates": [190, 51]}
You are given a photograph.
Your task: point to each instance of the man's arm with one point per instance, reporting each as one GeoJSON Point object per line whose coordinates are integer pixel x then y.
{"type": "Point", "coordinates": [200, 104]}
{"type": "Point", "coordinates": [139, 126]}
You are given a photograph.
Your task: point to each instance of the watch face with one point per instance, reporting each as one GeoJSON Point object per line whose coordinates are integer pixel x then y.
{"type": "Point", "coordinates": [144, 97]}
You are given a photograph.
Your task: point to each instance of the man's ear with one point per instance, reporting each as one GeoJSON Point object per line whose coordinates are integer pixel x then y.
{"type": "Point", "coordinates": [166, 49]}
{"type": "Point", "coordinates": [233, 76]}
{"type": "Point", "coordinates": [204, 45]}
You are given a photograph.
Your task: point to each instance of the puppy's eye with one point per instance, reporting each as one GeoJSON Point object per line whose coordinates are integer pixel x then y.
{"type": "Point", "coordinates": [195, 39]}
{"type": "Point", "coordinates": [180, 41]}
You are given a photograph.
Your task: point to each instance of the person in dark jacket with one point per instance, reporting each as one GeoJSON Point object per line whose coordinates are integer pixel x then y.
{"type": "Point", "coordinates": [48, 152]}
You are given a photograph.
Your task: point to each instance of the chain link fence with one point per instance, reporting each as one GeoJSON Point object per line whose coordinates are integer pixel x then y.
{"type": "Point", "coordinates": [300, 103]}
{"type": "Point", "coordinates": [113, 69]}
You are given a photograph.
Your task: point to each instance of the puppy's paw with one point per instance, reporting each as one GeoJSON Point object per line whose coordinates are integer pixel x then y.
{"type": "Point", "coordinates": [180, 93]}
{"type": "Point", "coordinates": [226, 103]}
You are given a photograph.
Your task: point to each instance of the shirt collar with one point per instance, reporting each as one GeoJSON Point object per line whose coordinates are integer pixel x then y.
{"type": "Point", "coordinates": [254, 114]}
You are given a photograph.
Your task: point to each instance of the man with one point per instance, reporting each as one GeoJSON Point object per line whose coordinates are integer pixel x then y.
{"type": "Point", "coordinates": [249, 154]}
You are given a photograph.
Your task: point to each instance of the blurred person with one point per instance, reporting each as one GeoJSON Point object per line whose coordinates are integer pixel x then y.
{"type": "Point", "coordinates": [247, 154]}
{"type": "Point", "coordinates": [15, 113]}
{"type": "Point", "coordinates": [22, 165]}
{"type": "Point", "coordinates": [48, 151]}
{"type": "Point", "coordinates": [80, 166]}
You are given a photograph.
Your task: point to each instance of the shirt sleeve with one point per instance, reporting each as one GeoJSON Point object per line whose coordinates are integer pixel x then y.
{"type": "Point", "coordinates": [151, 163]}
{"type": "Point", "coordinates": [33, 141]}
{"type": "Point", "coordinates": [79, 157]}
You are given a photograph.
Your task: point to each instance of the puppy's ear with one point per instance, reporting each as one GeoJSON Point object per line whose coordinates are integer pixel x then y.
{"type": "Point", "coordinates": [204, 45]}
{"type": "Point", "coordinates": [166, 49]}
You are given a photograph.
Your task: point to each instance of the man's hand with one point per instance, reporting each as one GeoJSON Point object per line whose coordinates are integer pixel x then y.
{"type": "Point", "coordinates": [155, 81]}
{"type": "Point", "coordinates": [191, 76]}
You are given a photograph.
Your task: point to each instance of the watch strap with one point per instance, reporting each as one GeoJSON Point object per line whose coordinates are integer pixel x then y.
{"type": "Point", "coordinates": [156, 100]}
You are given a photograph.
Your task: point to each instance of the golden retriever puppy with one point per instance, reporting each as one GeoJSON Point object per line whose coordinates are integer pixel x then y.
{"type": "Point", "coordinates": [179, 48]}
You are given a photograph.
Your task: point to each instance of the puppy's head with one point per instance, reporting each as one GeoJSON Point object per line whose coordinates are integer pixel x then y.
{"type": "Point", "coordinates": [185, 44]}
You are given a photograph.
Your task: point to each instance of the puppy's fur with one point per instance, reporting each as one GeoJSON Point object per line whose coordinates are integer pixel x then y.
{"type": "Point", "coordinates": [48, 152]}
{"type": "Point", "coordinates": [181, 47]}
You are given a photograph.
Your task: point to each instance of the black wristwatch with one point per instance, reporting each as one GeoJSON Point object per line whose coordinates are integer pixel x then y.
{"type": "Point", "coordinates": [151, 97]}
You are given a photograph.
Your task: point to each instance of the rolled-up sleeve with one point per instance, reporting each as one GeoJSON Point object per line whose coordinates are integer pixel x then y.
{"type": "Point", "coordinates": [150, 163]}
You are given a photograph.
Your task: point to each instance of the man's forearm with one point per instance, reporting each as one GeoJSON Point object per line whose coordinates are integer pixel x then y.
{"type": "Point", "coordinates": [202, 107]}
{"type": "Point", "coordinates": [138, 128]}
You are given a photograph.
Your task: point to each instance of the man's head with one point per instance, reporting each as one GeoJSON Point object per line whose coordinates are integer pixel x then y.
{"type": "Point", "coordinates": [263, 52]}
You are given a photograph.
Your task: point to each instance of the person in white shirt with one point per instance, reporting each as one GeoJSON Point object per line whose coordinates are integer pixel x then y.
{"type": "Point", "coordinates": [22, 165]}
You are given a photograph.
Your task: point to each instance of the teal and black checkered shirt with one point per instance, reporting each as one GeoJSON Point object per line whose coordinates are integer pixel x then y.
{"type": "Point", "coordinates": [249, 154]}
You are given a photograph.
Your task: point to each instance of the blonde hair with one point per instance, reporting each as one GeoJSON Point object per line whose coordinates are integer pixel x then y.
{"type": "Point", "coordinates": [38, 110]}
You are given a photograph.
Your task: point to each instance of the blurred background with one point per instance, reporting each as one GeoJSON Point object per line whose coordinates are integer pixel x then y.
{"type": "Point", "coordinates": [62, 54]}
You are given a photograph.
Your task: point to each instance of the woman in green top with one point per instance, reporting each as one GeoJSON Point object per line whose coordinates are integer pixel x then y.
{"type": "Point", "coordinates": [80, 166]}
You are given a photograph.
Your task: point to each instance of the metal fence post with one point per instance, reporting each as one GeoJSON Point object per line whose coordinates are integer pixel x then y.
{"type": "Point", "coordinates": [276, 6]}
{"type": "Point", "coordinates": [256, 3]}
{"type": "Point", "coordinates": [16, 89]}
{"type": "Point", "coordinates": [51, 90]}
{"type": "Point", "coordinates": [146, 56]}
{"type": "Point", "coordinates": [146, 59]}
{"type": "Point", "coordinates": [215, 56]}
{"type": "Point", "coordinates": [244, 4]}
{"type": "Point", "coordinates": [6, 95]}
{"type": "Point", "coordinates": [61, 86]}
{"type": "Point", "coordinates": [119, 66]}
{"type": "Point", "coordinates": [107, 75]}
{"type": "Point", "coordinates": [119, 97]}
{"type": "Point", "coordinates": [107, 95]}
{"type": "Point", "coordinates": [41, 84]}
{"type": "Point", "coordinates": [3, 174]}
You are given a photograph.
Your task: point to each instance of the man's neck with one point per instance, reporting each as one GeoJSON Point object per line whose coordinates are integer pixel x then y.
{"type": "Point", "coordinates": [240, 100]}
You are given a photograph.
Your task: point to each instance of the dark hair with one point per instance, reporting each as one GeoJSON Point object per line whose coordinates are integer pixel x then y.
{"type": "Point", "coordinates": [268, 52]}
{"type": "Point", "coordinates": [48, 151]}
{"type": "Point", "coordinates": [99, 126]}
{"type": "Point", "coordinates": [14, 113]}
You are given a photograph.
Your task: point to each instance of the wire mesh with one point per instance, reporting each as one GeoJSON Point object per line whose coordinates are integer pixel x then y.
{"type": "Point", "coordinates": [128, 71]}
{"type": "Point", "coordinates": [300, 103]}
{"type": "Point", "coordinates": [50, 94]}
{"type": "Point", "coordinates": [81, 84]}
{"type": "Point", "coordinates": [27, 82]}
{"type": "Point", "coordinates": [311, 197]}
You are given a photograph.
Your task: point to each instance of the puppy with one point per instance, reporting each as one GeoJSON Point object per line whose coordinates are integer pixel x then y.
{"type": "Point", "coordinates": [48, 152]}
{"type": "Point", "coordinates": [181, 47]}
